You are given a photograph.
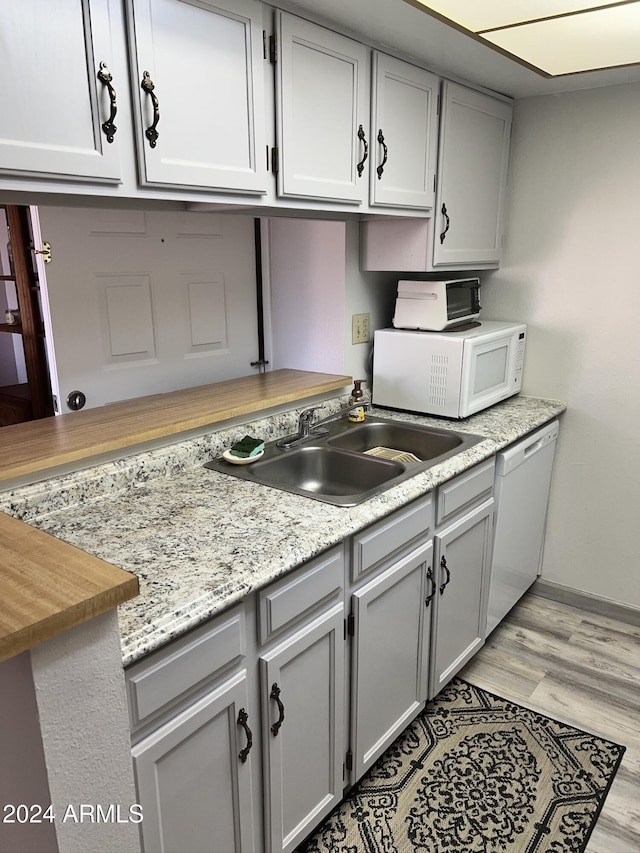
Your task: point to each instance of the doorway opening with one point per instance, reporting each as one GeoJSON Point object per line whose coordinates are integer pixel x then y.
{"type": "Point", "coordinates": [25, 387]}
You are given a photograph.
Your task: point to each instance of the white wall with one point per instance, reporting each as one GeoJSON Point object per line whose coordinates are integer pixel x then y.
{"type": "Point", "coordinates": [306, 264]}
{"type": "Point", "coordinates": [315, 287]}
{"type": "Point", "coordinates": [571, 272]}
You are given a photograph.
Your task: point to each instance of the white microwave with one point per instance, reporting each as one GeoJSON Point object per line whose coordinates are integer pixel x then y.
{"type": "Point", "coordinates": [452, 374]}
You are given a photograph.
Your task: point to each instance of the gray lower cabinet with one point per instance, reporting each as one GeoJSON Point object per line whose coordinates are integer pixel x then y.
{"type": "Point", "coordinates": [194, 789]}
{"type": "Point", "coordinates": [247, 730]}
{"type": "Point", "coordinates": [302, 689]}
{"type": "Point", "coordinates": [390, 655]}
{"type": "Point", "coordinates": [462, 564]}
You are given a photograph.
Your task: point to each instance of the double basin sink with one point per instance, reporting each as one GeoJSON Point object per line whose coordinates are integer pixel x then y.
{"type": "Point", "coordinates": [352, 462]}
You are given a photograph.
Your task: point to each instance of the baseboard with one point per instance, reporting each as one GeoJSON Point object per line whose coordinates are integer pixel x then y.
{"type": "Point", "coordinates": [586, 601]}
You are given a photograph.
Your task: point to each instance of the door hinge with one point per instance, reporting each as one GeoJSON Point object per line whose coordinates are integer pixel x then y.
{"type": "Point", "coordinates": [275, 160]}
{"type": "Point", "coordinates": [348, 763]}
{"type": "Point", "coordinates": [351, 625]}
{"type": "Point", "coordinates": [273, 49]}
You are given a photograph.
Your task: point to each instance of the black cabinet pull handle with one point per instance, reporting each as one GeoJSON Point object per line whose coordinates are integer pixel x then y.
{"type": "Point", "coordinates": [275, 695]}
{"type": "Point", "coordinates": [385, 151]}
{"type": "Point", "coordinates": [243, 718]}
{"type": "Point", "coordinates": [147, 86]}
{"type": "Point", "coordinates": [363, 139]}
{"type": "Point", "coordinates": [108, 127]}
{"type": "Point", "coordinates": [448, 223]}
{"type": "Point", "coordinates": [431, 578]}
{"type": "Point", "coordinates": [443, 564]}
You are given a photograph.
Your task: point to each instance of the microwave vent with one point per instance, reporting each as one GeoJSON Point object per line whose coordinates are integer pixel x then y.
{"type": "Point", "coordinates": [438, 381]}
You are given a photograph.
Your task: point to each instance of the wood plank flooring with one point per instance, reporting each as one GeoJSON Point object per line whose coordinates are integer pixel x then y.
{"type": "Point", "coordinates": [582, 669]}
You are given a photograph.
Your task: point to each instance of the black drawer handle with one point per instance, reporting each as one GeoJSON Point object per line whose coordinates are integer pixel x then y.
{"type": "Point", "coordinates": [431, 578]}
{"type": "Point", "coordinates": [443, 234]}
{"type": "Point", "coordinates": [147, 86]}
{"type": "Point", "coordinates": [275, 695]}
{"type": "Point", "coordinates": [363, 139]}
{"type": "Point", "coordinates": [385, 151]}
{"type": "Point", "coordinates": [443, 564]}
{"type": "Point", "coordinates": [108, 127]}
{"type": "Point", "coordinates": [243, 719]}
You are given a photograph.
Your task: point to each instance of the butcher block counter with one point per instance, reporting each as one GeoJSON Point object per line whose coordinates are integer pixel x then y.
{"type": "Point", "coordinates": [48, 586]}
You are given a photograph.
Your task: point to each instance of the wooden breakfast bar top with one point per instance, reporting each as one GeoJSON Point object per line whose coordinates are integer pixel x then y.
{"type": "Point", "coordinates": [48, 586]}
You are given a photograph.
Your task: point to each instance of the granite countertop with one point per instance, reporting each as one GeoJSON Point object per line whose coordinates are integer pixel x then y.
{"type": "Point", "coordinates": [199, 540]}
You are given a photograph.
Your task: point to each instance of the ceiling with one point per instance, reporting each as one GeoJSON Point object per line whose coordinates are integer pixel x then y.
{"type": "Point", "coordinates": [399, 26]}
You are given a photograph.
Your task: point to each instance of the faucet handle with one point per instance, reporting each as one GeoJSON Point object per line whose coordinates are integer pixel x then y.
{"type": "Point", "coordinates": [307, 415]}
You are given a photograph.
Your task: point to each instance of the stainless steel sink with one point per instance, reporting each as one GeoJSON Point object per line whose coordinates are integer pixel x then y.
{"type": "Point", "coordinates": [338, 469]}
{"type": "Point", "coordinates": [326, 472]}
{"type": "Point", "coordinates": [425, 443]}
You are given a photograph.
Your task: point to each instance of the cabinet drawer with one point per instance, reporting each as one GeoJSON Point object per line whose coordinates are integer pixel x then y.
{"type": "Point", "coordinates": [172, 674]}
{"type": "Point", "coordinates": [297, 595]}
{"type": "Point", "coordinates": [464, 490]}
{"type": "Point", "coordinates": [390, 535]}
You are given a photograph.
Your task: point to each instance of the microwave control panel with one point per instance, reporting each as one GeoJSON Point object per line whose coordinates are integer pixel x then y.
{"type": "Point", "coordinates": [519, 358]}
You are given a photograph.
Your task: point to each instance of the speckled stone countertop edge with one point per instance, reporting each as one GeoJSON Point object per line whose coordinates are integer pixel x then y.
{"type": "Point", "coordinates": [200, 544]}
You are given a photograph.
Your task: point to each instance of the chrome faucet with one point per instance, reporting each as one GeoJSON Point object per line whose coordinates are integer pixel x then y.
{"type": "Point", "coordinates": [308, 428]}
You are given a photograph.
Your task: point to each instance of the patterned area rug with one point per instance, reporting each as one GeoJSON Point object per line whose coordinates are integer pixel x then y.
{"type": "Point", "coordinates": [476, 774]}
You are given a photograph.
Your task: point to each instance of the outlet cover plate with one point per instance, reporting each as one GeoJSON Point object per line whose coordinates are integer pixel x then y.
{"type": "Point", "coordinates": [360, 328]}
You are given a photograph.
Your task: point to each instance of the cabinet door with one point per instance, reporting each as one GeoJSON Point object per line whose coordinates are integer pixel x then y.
{"type": "Point", "coordinates": [53, 104]}
{"type": "Point", "coordinates": [322, 112]}
{"type": "Point", "coordinates": [193, 785]}
{"type": "Point", "coordinates": [404, 134]}
{"type": "Point", "coordinates": [302, 683]}
{"type": "Point", "coordinates": [390, 655]}
{"type": "Point", "coordinates": [475, 132]}
{"type": "Point", "coordinates": [463, 553]}
{"type": "Point", "coordinates": [200, 115]}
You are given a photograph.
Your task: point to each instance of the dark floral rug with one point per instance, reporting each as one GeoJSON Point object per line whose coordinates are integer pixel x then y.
{"type": "Point", "coordinates": [475, 773]}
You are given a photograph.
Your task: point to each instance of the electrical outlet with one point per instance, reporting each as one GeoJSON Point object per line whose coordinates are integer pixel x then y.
{"type": "Point", "coordinates": [360, 329]}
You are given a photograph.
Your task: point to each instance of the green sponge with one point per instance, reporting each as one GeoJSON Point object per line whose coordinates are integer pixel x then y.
{"type": "Point", "coordinates": [246, 447]}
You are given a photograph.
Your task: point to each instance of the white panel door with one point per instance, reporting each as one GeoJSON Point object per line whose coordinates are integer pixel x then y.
{"type": "Point", "coordinates": [404, 134]}
{"type": "Point", "coordinates": [194, 787]}
{"type": "Point", "coordinates": [390, 655]}
{"type": "Point", "coordinates": [143, 302]}
{"type": "Point", "coordinates": [475, 134]}
{"type": "Point", "coordinates": [302, 682]}
{"type": "Point", "coordinates": [201, 63]}
{"type": "Point", "coordinates": [322, 112]}
{"type": "Point", "coordinates": [53, 104]}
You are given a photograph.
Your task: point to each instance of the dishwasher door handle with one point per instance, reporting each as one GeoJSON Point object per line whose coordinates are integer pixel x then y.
{"type": "Point", "coordinates": [535, 446]}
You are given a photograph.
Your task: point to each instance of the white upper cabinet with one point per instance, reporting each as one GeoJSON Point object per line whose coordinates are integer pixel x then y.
{"type": "Point", "coordinates": [197, 70]}
{"type": "Point", "coordinates": [404, 134]}
{"type": "Point", "coordinates": [59, 90]}
{"type": "Point", "coordinates": [475, 132]}
{"type": "Point", "coordinates": [322, 112]}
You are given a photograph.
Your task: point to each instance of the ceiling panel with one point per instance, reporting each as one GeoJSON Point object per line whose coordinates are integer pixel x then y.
{"type": "Point", "coordinates": [482, 15]}
{"type": "Point", "coordinates": [605, 38]}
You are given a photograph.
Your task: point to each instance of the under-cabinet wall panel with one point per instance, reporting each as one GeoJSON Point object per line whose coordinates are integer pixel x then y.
{"type": "Point", "coordinates": [144, 302]}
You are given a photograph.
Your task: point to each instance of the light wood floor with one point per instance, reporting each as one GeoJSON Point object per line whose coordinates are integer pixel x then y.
{"type": "Point", "coordinates": [584, 670]}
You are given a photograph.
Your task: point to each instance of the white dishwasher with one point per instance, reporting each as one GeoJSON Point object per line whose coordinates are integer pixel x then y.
{"type": "Point", "coordinates": [523, 478]}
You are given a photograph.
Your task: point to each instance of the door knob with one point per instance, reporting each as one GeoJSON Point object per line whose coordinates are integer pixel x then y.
{"type": "Point", "coordinates": [76, 400]}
